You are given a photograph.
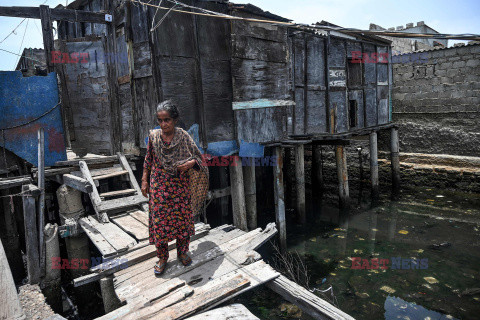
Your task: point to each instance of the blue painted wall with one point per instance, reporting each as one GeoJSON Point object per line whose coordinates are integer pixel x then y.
{"type": "Point", "coordinates": [23, 99]}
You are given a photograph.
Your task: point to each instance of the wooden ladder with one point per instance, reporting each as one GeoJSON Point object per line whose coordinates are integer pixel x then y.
{"type": "Point", "coordinates": [125, 199]}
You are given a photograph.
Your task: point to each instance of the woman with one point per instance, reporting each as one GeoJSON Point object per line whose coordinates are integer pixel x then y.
{"type": "Point", "coordinates": [176, 182]}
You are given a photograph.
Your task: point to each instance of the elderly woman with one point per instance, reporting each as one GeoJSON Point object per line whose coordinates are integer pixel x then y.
{"type": "Point", "coordinates": [176, 181]}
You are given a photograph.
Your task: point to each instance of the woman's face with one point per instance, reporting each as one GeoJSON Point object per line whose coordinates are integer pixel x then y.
{"type": "Point", "coordinates": [166, 122]}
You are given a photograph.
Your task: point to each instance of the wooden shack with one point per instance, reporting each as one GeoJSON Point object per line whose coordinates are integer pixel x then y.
{"type": "Point", "coordinates": [236, 79]}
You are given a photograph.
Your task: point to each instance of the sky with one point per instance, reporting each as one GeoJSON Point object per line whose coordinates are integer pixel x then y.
{"type": "Point", "coordinates": [455, 17]}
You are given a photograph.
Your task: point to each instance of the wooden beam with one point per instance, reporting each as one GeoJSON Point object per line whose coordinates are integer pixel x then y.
{"type": "Point", "coordinates": [395, 160]}
{"type": "Point", "coordinates": [77, 183]}
{"type": "Point", "coordinates": [238, 195]}
{"type": "Point", "coordinates": [305, 300]}
{"type": "Point", "coordinates": [14, 182]}
{"type": "Point", "coordinates": [47, 33]}
{"type": "Point", "coordinates": [31, 235]}
{"type": "Point", "coordinates": [11, 308]}
{"type": "Point", "coordinates": [342, 177]}
{"type": "Point", "coordinates": [279, 195]}
{"type": "Point", "coordinates": [300, 181]}
{"type": "Point", "coordinates": [250, 195]}
{"type": "Point", "coordinates": [55, 14]}
{"type": "Point", "coordinates": [374, 166]}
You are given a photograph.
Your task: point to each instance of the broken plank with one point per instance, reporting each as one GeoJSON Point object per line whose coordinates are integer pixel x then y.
{"type": "Point", "coordinates": [14, 182]}
{"type": "Point", "coordinates": [97, 238]}
{"type": "Point", "coordinates": [126, 166]}
{"type": "Point", "coordinates": [234, 311]}
{"type": "Point", "coordinates": [132, 226]}
{"type": "Point", "coordinates": [94, 193]}
{"type": "Point", "coordinates": [118, 238]}
{"type": "Point", "coordinates": [116, 193]}
{"type": "Point", "coordinates": [77, 183]}
{"type": "Point", "coordinates": [306, 300]}
{"type": "Point", "coordinates": [201, 297]}
{"type": "Point", "coordinates": [121, 203]}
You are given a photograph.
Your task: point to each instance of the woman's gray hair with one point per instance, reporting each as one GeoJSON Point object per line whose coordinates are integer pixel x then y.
{"type": "Point", "coordinates": [170, 107]}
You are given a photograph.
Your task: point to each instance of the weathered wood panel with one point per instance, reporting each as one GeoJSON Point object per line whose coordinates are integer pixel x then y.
{"type": "Point", "coordinates": [88, 91]}
{"type": "Point", "coordinates": [357, 95]}
{"type": "Point", "coordinates": [371, 106]}
{"type": "Point", "coordinates": [316, 112]}
{"type": "Point", "coordinates": [382, 100]}
{"type": "Point", "coordinates": [338, 105]}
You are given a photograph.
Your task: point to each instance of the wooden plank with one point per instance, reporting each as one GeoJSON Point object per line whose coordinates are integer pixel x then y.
{"type": "Point", "coordinates": [14, 182]}
{"type": "Point", "coordinates": [279, 195]}
{"type": "Point", "coordinates": [91, 160]}
{"type": "Point", "coordinates": [77, 183]}
{"type": "Point", "coordinates": [232, 312]}
{"type": "Point", "coordinates": [111, 174]}
{"type": "Point", "coordinates": [132, 226]}
{"type": "Point", "coordinates": [115, 236]}
{"type": "Point", "coordinates": [142, 216]}
{"type": "Point", "coordinates": [132, 258]}
{"type": "Point", "coordinates": [11, 308]}
{"type": "Point", "coordinates": [305, 300]}
{"type": "Point", "coordinates": [94, 193]}
{"type": "Point", "coordinates": [56, 14]}
{"type": "Point", "coordinates": [138, 277]}
{"type": "Point", "coordinates": [122, 203]}
{"type": "Point", "coordinates": [261, 103]}
{"type": "Point", "coordinates": [133, 180]}
{"type": "Point", "coordinates": [142, 280]}
{"type": "Point", "coordinates": [97, 238]}
{"type": "Point", "coordinates": [117, 193]}
{"type": "Point", "coordinates": [31, 236]}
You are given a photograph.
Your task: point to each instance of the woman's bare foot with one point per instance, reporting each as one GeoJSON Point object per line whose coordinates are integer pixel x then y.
{"type": "Point", "coordinates": [185, 259]}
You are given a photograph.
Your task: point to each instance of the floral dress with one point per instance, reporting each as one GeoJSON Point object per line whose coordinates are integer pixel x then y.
{"type": "Point", "coordinates": [169, 203]}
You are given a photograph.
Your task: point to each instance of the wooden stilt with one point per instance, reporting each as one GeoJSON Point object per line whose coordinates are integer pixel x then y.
{"type": "Point", "coordinates": [280, 199]}
{"type": "Point", "coordinates": [250, 195]}
{"type": "Point", "coordinates": [238, 195]}
{"type": "Point", "coordinates": [374, 166]}
{"type": "Point", "coordinates": [110, 299]}
{"type": "Point", "coordinates": [289, 177]}
{"type": "Point", "coordinates": [300, 181]}
{"type": "Point", "coordinates": [223, 201]}
{"type": "Point", "coordinates": [342, 175]}
{"type": "Point", "coordinates": [41, 198]}
{"type": "Point", "coordinates": [394, 150]}
{"type": "Point", "coordinates": [31, 235]}
{"type": "Point", "coordinates": [317, 169]}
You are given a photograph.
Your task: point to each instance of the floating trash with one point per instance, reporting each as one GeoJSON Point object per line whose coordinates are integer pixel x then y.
{"type": "Point", "coordinates": [403, 232]}
{"type": "Point", "coordinates": [387, 289]}
{"type": "Point", "coordinates": [430, 280]}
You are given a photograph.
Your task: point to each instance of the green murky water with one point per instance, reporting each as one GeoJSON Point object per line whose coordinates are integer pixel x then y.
{"type": "Point", "coordinates": [438, 230]}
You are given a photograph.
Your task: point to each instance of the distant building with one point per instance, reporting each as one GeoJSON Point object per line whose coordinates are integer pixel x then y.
{"type": "Point", "coordinates": [32, 62]}
{"type": "Point", "coordinates": [403, 45]}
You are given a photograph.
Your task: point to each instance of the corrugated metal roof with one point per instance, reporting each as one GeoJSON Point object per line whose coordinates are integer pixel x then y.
{"type": "Point", "coordinates": [457, 45]}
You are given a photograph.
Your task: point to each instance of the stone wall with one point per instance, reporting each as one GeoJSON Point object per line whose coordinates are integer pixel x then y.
{"type": "Point", "coordinates": [436, 102]}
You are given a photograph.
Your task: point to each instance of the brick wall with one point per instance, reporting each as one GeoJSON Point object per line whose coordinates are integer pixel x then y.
{"type": "Point", "coordinates": [436, 101]}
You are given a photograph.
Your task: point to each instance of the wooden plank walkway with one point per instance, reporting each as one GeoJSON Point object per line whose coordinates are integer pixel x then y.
{"type": "Point", "coordinates": [224, 264]}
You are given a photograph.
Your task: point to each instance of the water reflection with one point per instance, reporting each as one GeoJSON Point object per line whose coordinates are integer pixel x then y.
{"type": "Point", "coordinates": [396, 308]}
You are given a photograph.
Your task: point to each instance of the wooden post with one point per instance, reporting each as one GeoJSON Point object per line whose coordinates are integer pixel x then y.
{"type": "Point", "coordinates": [238, 195]}
{"type": "Point", "coordinates": [110, 299]}
{"type": "Point", "coordinates": [11, 308]}
{"type": "Point", "coordinates": [342, 175]}
{"type": "Point", "coordinates": [41, 198]}
{"type": "Point", "coordinates": [395, 160]}
{"type": "Point", "coordinates": [223, 176]}
{"type": "Point", "coordinates": [300, 181]}
{"type": "Point", "coordinates": [280, 200]}
{"type": "Point", "coordinates": [317, 170]}
{"type": "Point", "coordinates": [46, 22]}
{"type": "Point", "coordinates": [289, 176]}
{"type": "Point", "coordinates": [250, 195]}
{"type": "Point", "coordinates": [374, 166]}
{"type": "Point", "coordinates": [31, 235]}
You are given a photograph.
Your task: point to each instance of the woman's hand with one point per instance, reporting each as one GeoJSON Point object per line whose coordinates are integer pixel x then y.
{"type": "Point", "coordinates": [186, 166]}
{"type": "Point", "coordinates": [145, 188]}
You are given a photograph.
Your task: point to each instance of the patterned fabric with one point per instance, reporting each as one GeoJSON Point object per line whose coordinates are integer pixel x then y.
{"type": "Point", "coordinates": [170, 214]}
{"type": "Point", "coordinates": [182, 247]}
{"type": "Point", "coordinates": [181, 149]}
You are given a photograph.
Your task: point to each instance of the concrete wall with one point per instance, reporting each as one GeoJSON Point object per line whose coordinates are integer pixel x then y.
{"type": "Point", "coordinates": [436, 102]}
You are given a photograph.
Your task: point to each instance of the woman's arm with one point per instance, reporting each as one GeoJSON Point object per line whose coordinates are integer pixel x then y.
{"type": "Point", "coordinates": [147, 166]}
